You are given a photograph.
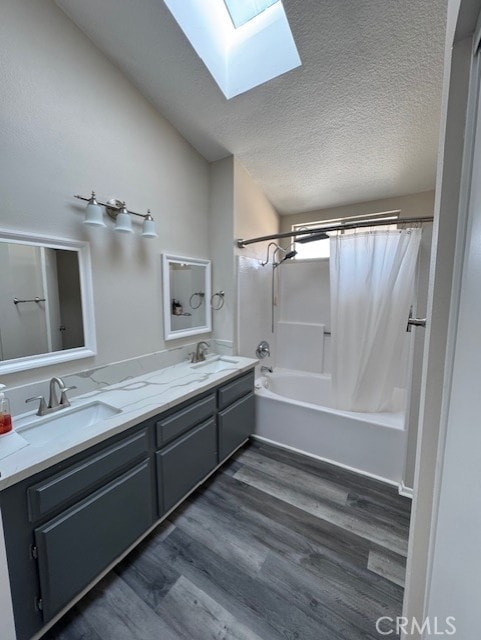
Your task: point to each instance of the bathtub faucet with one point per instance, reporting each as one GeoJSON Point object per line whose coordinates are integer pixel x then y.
{"type": "Point", "coordinates": [266, 369]}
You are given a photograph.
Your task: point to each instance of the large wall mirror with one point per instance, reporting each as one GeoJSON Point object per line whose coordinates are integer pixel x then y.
{"type": "Point", "coordinates": [187, 291]}
{"type": "Point", "coordinates": [46, 309]}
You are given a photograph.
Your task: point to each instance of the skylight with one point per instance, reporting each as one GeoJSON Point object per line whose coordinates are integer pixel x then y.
{"type": "Point", "coordinates": [242, 11]}
{"type": "Point", "coordinates": [238, 59]}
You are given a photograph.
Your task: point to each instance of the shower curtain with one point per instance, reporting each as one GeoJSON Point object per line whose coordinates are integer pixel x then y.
{"type": "Point", "coordinates": [372, 285]}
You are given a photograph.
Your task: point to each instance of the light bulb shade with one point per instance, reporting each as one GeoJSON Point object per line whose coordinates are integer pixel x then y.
{"type": "Point", "coordinates": [123, 223]}
{"type": "Point", "coordinates": [94, 215]}
{"type": "Point", "coordinates": [148, 228]}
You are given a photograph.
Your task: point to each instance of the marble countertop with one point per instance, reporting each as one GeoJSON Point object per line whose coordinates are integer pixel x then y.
{"type": "Point", "coordinates": [137, 399]}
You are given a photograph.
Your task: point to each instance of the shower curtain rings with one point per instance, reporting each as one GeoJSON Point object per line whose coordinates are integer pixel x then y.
{"type": "Point", "coordinates": [220, 303]}
{"type": "Point", "coordinates": [200, 294]}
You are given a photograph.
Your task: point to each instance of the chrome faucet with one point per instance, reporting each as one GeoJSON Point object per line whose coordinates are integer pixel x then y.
{"type": "Point", "coordinates": [53, 401]}
{"type": "Point", "coordinates": [54, 404]}
{"type": "Point", "coordinates": [200, 350]}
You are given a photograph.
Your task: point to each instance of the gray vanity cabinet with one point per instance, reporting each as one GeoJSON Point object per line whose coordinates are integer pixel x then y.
{"type": "Point", "coordinates": [237, 413]}
{"type": "Point", "coordinates": [77, 545]}
{"type": "Point", "coordinates": [65, 525]}
{"type": "Point", "coordinates": [190, 433]}
{"type": "Point", "coordinates": [185, 463]}
{"type": "Point", "coordinates": [235, 425]}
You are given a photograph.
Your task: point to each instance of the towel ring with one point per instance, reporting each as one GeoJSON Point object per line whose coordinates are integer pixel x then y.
{"type": "Point", "coordinates": [201, 295]}
{"type": "Point", "coordinates": [220, 304]}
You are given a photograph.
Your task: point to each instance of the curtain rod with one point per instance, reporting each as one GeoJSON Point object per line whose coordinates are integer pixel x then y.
{"type": "Point", "coordinates": [241, 243]}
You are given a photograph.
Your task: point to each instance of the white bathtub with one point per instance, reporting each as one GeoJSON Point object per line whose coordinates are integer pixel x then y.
{"type": "Point", "coordinates": [293, 411]}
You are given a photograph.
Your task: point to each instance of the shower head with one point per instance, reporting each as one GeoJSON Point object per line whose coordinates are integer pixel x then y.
{"type": "Point", "coordinates": [312, 237]}
{"type": "Point", "coordinates": [288, 256]}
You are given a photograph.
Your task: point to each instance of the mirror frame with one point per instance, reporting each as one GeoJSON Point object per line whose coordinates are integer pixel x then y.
{"type": "Point", "coordinates": [169, 333]}
{"type": "Point", "coordinates": [86, 294]}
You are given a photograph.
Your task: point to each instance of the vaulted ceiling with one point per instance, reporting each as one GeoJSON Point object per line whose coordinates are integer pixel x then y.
{"type": "Point", "coordinates": [357, 121]}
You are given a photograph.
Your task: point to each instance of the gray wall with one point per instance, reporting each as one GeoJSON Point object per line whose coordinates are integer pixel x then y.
{"type": "Point", "coordinates": [70, 123]}
{"type": "Point", "coordinates": [416, 204]}
{"type": "Point", "coordinates": [239, 209]}
{"type": "Point", "coordinates": [221, 244]}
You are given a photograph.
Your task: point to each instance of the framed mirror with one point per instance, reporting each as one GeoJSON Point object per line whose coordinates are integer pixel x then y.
{"type": "Point", "coordinates": [187, 292]}
{"type": "Point", "coordinates": [46, 304]}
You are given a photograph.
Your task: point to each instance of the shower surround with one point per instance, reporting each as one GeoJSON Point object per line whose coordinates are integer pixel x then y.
{"type": "Point", "coordinates": [295, 410]}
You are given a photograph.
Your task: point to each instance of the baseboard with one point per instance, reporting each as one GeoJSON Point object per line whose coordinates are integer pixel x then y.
{"type": "Point", "coordinates": [373, 476]}
{"type": "Point", "coordinates": [407, 492]}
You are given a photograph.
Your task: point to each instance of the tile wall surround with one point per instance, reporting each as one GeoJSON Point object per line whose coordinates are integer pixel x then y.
{"type": "Point", "coordinates": [301, 314]}
{"type": "Point", "coordinates": [304, 315]}
{"type": "Point", "coordinates": [254, 308]}
{"type": "Point", "coordinates": [301, 346]}
{"type": "Point", "coordinates": [97, 378]}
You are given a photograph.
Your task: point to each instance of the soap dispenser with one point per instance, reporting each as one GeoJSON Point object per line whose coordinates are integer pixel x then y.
{"type": "Point", "coordinates": [5, 415]}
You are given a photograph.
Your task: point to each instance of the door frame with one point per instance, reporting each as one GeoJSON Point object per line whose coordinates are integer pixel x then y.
{"type": "Point", "coordinates": [460, 100]}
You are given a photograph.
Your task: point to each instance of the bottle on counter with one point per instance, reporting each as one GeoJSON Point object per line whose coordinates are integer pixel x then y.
{"type": "Point", "coordinates": [177, 309]}
{"type": "Point", "coordinates": [5, 415]}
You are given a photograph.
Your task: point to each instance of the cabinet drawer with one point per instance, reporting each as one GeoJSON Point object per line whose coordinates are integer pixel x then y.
{"type": "Point", "coordinates": [76, 546]}
{"type": "Point", "coordinates": [229, 393]}
{"type": "Point", "coordinates": [181, 421]}
{"type": "Point", "coordinates": [236, 423]}
{"type": "Point", "coordinates": [70, 485]}
{"type": "Point", "coordinates": [183, 464]}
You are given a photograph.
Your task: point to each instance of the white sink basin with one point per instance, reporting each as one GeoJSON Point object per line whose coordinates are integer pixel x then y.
{"type": "Point", "coordinates": [216, 364]}
{"type": "Point", "coordinates": [38, 430]}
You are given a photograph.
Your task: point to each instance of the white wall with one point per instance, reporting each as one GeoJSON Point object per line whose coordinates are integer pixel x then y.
{"type": "Point", "coordinates": [455, 582]}
{"type": "Point", "coordinates": [254, 216]}
{"type": "Point", "coordinates": [450, 538]}
{"type": "Point", "coordinates": [70, 123]}
{"type": "Point", "coordinates": [436, 364]}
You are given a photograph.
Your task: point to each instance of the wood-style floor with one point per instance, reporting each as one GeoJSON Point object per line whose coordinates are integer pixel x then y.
{"type": "Point", "coordinates": [276, 546]}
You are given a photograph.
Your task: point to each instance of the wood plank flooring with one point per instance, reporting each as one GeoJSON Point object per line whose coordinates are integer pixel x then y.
{"type": "Point", "coordinates": [276, 546]}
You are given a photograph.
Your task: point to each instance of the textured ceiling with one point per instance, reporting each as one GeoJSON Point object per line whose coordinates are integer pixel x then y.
{"type": "Point", "coordinates": [357, 121]}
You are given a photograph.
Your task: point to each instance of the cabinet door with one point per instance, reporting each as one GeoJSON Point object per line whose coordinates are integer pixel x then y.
{"type": "Point", "coordinates": [66, 488]}
{"type": "Point", "coordinates": [186, 462]}
{"type": "Point", "coordinates": [236, 423]}
{"type": "Point", "coordinates": [77, 545]}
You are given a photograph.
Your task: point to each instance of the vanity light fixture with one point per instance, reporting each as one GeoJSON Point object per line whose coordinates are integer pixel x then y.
{"type": "Point", "coordinates": [123, 223]}
{"type": "Point", "coordinates": [93, 213]}
{"type": "Point", "coordinates": [117, 210]}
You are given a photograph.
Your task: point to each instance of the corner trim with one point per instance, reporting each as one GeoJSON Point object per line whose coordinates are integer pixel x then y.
{"type": "Point", "coordinates": [407, 492]}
